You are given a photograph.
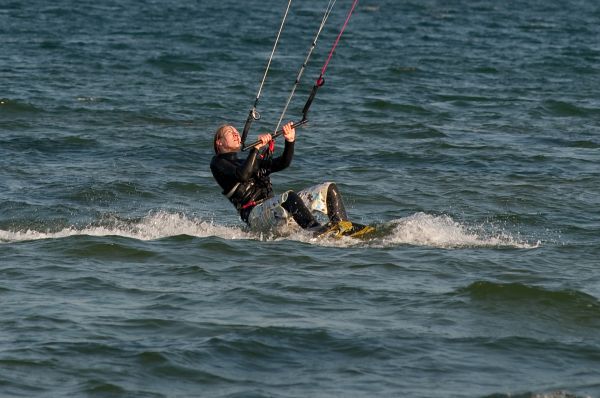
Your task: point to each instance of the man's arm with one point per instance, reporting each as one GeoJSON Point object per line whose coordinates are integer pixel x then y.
{"type": "Point", "coordinates": [283, 161]}
{"type": "Point", "coordinates": [228, 173]}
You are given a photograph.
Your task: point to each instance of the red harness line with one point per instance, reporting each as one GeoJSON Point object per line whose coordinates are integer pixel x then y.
{"type": "Point", "coordinates": [336, 41]}
{"type": "Point", "coordinates": [270, 150]}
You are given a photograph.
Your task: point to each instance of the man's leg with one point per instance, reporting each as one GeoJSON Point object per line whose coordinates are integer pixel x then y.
{"type": "Point", "coordinates": [336, 211]}
{"type": "Point", "coordinates": [301, 214]}
{"type": "Point", "coordinates": [325, 198]}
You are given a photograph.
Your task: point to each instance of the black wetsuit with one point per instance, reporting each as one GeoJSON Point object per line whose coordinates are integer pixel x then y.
{"type": "Point", "coordinates": [247, 182]}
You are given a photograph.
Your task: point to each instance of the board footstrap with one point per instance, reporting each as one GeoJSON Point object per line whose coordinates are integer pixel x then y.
{"type": "Point", "coordinates": [347, 228]}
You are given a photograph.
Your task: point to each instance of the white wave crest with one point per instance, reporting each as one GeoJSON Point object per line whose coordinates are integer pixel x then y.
{"type": "Point", "coordinates": [157, 225]}
{"type": "Point", "coordinates": [419, 229]}
{"type": "Point", "coordinates": [442, 231]}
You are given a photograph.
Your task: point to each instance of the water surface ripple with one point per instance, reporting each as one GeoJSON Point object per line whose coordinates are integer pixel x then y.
{"type": "Point", "coordinates": [468, 132]}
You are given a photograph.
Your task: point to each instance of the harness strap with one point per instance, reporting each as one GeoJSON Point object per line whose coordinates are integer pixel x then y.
{"type": "Point", "coordinates": [249, 204]}
{"type": "Point", "coordinates": [232, 191]}
{"type": "Point", "coordinates": [252, 203]}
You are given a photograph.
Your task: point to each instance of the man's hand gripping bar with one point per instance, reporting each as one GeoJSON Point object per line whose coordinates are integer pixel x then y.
{"type": "Point", "coordinates": [276, 134]}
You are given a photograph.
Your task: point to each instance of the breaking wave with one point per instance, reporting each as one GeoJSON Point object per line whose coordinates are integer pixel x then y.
{"type": "Point", "coordinates": [419, 229]}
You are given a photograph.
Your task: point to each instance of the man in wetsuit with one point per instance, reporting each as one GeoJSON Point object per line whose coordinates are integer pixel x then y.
{"type": "Point", "coordinates": [247, 184]}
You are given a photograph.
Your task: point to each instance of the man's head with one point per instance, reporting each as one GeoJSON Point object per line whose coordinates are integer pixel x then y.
{"type": "Point", "coordinates": [227, 139]}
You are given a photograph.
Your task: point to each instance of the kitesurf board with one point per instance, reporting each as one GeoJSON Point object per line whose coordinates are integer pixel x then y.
{"type": "Point", "coordinates": [346, 228]}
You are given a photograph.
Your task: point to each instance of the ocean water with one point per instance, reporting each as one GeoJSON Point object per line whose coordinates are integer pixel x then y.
{"type": "Point", "coordinates": [468, 132]}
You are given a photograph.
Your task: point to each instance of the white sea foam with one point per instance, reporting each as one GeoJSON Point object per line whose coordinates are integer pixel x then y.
{"type": "Point", "coordinates": [419, 229]}
{"type": "Point", "coordinates": [157, 225]}
{"type": "Point", "coordinates": [442, 231]}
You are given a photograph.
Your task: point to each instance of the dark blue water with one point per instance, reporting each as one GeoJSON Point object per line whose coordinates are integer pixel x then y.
{"type": "Point", "coordinates": [467, 131]}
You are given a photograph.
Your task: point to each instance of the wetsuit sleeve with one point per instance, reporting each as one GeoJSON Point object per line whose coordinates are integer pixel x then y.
{"type": "Point", "coordinates": [234, 172]}
{"type": "Point", "coordinates": [283, 161]}
{"type": "Point", "coordinates": [245, 171]}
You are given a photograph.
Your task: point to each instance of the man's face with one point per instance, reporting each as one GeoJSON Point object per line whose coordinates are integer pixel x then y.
{"type": "Point", "coordinates": [230, 140]}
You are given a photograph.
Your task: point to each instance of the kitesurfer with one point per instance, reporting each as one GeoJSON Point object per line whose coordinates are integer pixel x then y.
{"type": "Point", "coordinates": [247, 184]}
